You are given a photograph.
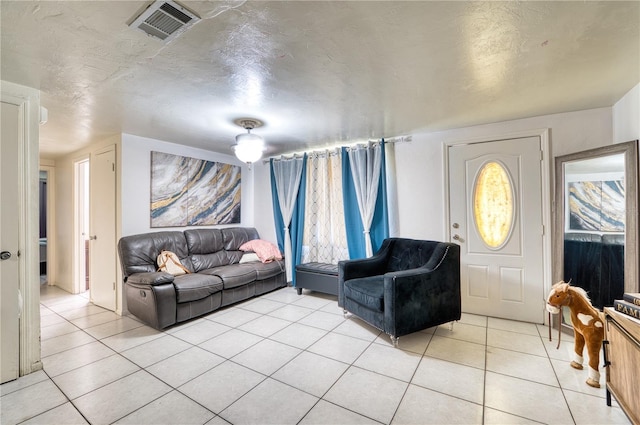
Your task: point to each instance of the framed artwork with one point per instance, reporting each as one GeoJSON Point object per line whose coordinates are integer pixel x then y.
{"type": "Point", "coordinates": [193, 192]}
{"type": "Point", "coordinates": [596, 205]}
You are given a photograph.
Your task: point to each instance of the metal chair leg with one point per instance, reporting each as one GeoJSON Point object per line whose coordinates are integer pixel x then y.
{"type": "Point", "coordinates": [394, 341]}
{"type": "Point", "coordinates": [451, 326]}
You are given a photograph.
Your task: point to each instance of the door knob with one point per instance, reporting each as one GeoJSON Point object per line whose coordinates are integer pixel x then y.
{"type": "Point", "coordinates": [5, 255]}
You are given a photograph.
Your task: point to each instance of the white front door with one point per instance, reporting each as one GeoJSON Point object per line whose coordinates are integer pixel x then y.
{"type": "Point", "coordinates": [9, 242]}
{"type": "Point", "coordinates": [495, 212]}
{"type": "Point", "coordinates": [102, 246]}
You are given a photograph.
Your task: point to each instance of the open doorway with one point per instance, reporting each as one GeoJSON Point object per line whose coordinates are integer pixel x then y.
{"type": "Point", "coordinates": [43, 226]}
{"type": "Point", "coordinates": [81, 226]}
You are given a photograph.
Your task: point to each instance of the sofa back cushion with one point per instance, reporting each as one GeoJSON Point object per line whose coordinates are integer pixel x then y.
{"type": "Point", "coordinates": [206, 248]}
{"type": "Point", "coordinates": [409, 254]}
{"type": "Point", "coordinates": [138, 253]}
{"type": "Point", "coordinates": [235, 237]}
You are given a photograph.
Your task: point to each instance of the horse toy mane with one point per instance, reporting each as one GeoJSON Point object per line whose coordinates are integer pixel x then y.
{"type": "Point", "coordinates": [588, 328]}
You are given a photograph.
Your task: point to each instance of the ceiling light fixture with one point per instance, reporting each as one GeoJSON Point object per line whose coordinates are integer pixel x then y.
{"type": "Point", "coordinates": [249, 147]}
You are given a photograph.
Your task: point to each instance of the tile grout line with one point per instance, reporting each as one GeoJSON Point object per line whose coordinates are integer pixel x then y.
{"type": "Point", "coordinates": [350, 365]}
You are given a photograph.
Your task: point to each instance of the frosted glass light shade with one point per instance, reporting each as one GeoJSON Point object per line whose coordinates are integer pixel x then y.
{"type": "Point", "coordinates": [249, 147]}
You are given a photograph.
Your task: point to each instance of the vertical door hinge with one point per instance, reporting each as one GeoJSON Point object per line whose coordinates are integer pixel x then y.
{"type": "Point", "coordinates": [114, 286]}
{"type": "Point", "coordinates": [113, 166]}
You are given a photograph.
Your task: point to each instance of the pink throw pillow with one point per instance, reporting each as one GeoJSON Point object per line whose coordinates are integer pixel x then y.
{"type": "Point", "coordinates": [265, 250]}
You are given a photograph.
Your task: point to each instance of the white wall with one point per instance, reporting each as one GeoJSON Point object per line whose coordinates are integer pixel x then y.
{"type": "Point", "coordinates": [136, 183]}
{"type": "Point", "coordinates": [263, 202]}
{"type": "Point", "coordinates": [419, 164]}
{"type": "Point", "coordinates": [626, 117]}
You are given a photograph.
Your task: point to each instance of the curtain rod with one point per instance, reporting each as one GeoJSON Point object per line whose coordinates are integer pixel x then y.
{"type": "Point", "coordinates": [397, 139]}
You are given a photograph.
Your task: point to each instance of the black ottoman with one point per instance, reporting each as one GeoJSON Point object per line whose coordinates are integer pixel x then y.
{"type": "Point", "coordinates": [321, 277]}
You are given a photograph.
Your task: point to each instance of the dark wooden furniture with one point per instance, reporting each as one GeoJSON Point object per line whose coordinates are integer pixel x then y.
{"type": "Point", "coordinates": [321, 277]}
{"type": "Point", "coordinates": [622, 357]}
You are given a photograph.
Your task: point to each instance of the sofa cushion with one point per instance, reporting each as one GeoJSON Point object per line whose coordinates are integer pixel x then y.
{"type": "Point", "coordinates": [234, 237]}
{"type": "Point", "coordinates": [234, 256]}
{"type": "Point", "coordinates": [138, 253]}
{"type": "Point", "coordinates": [368, 291]}
{"type": "Point", "coordinates": [233, 275]}
{"type": "Point", "coordinates": [203, 241]}
{"type": "Point", "coordinates": [208, 261]}
{"type": "Point", "coordinates": [195, 286]}
{"type": "Point", "coordinates": [267, 270]}
{"type": "Point", "coordinates": [206, 248]}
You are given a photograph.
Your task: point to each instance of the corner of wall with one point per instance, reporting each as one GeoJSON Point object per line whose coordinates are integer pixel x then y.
{"type": "Point", "coordinates": [626, 116]}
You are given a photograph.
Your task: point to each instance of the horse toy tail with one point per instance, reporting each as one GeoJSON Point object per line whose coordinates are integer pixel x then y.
{"type": "Point", "coordinates": [559, 327]}
{"type": "Point", "coordinates": [588, 327]}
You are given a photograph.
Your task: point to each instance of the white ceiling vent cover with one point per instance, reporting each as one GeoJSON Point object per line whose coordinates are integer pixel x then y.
{"type": "Point", "coordinates": [165, 20]}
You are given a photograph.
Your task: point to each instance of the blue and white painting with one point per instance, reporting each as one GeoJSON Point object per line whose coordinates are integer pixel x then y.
{"type": "Point", "coordinates": [597, 206]}
{"type": "Point", "coordinates": [193, 192]}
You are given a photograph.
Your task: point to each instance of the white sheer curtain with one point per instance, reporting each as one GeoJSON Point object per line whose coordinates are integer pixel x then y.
{"type": "Point", "coordinates": [325, 237]}
{"type": "Point", "coordinates": [366, 164]}
{"type": "Point", "coordinates": [287, 174]}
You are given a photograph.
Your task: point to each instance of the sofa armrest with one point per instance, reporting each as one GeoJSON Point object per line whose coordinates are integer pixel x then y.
{"type": "Point", "coordinates": [155, 305]}
{"type": "Point", "coordinates": [151, 278]}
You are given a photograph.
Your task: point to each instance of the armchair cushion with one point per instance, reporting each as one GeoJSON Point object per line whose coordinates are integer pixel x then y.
{"type": "Point", "coordinates": [367, 291]}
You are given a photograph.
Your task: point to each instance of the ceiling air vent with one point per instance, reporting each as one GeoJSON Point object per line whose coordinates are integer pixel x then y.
{"type": "Point", "coordinates": [165, 20]}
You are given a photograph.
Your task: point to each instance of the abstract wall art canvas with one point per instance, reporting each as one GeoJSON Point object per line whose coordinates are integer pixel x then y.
{"type": "Point", "coordinates": [193, 192]}
{"type": "Point", "coordinates": [597, 206]}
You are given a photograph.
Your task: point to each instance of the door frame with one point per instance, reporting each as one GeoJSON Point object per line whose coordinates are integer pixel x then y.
{"type": "Point", "coordinates": [28, 100]}
{"type": "Point", "coordinates": [546, 183]}
{"type": "Point", "coordinates": [77, 249]}
{"type": "Point", "coordinates": [49, 167]}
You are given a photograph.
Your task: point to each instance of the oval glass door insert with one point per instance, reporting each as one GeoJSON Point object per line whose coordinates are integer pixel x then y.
{"type": "Point", "coordinates": [493, 204]}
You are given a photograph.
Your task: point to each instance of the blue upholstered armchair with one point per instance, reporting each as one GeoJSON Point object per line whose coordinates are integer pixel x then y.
{"type": "Point", "coordinates": [407, 286]}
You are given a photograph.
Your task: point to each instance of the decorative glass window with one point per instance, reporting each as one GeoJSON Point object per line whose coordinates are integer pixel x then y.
{"type": "Point", "coordinates": [493, 206]}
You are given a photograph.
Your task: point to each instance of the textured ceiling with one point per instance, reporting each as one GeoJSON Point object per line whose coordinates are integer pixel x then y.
{"type": "Point", "coordinates": [316, 72]}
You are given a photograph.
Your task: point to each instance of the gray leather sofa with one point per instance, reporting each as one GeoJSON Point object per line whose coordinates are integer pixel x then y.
{"type": "Point", "coordinates": [218, 279]}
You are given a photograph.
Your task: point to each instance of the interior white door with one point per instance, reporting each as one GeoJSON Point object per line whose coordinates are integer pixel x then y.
{"type": "Point", "coordinates": [9, 243]}
{"type": "Point", "coordinates": [495, 193]}
{"type": "Point", "coordinates": [102, 248]}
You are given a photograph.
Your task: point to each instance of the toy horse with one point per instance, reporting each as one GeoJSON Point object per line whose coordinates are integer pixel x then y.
{"type": "Point", "coordinates": [587, 325]}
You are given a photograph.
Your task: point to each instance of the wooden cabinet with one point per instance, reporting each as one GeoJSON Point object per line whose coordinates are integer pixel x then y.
{"type": "Point", "coordinates": [622, 361]}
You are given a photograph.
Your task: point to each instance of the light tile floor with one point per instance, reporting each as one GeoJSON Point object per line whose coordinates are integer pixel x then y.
{"type": "Point", "coordinates": [287, 359]}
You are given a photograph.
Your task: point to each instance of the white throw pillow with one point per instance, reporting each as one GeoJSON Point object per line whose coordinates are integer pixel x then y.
{"type": "Point", "coordinates": [249, 257]}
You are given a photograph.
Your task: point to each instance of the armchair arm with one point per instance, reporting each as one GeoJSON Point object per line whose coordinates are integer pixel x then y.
{"type": "Point", "coordinates": [150, 278]}
{"type": "Point", "coordinates": [353, 269]}
{"type": "Point", "coordinates": [423, 297]}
